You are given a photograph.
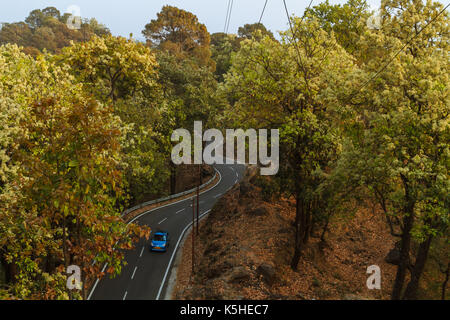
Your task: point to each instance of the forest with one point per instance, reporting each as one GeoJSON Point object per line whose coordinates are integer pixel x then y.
{"type": "Point", "coordinates": [86, 119]}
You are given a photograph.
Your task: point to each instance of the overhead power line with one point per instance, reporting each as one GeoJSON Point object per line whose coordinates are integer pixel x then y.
{"type": "Point", "coordinates": [226, 17]}
{"type": "Point", "coordinates": [229, 17]}
{"type": "Point", "coordinates": [247, 56]}
{"type": "Point", "coordinates": [397, 53]}
{"type": "Point", "coordinates": [262, 13]}
{"type": "Point", "coordinates": [299, 61]}
{"type": "Point", "coordinates": [351, 22]}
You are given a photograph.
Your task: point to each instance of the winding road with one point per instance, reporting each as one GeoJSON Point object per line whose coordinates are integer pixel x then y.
{"type": "Point", "coordinates": [146, 274]}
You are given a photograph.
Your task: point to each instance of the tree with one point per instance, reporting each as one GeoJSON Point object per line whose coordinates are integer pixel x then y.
{"type": "Point", "coordinates": [18, 33]}
{"type": "Point", "coordinates": [113, 68]}
{"type": "Point", "coordinates": [180, 32]}
{"type": "Point", "coordinates": [347, 21]}
{"type": "Point", "coordinates": [51, 12]}
{"type": "Point", "coordinates": [124, 73]}
{"type": "Point", "coordinates": [398, 122]}
{"type": "Point", "coordinates": [249, 31]}
{"type": "Point", "coordinates": [60, 180]}
{"type": "Point", "coordinates": [12, 62]}
{"type": "Point", "coordinates": [222, 47]}
{"type": "Point", "coordinates": [35, 19]}
{"type": "Point", "coordinates": [47, 29]}
{"type": "Point", "coordinates": [186, 70]}
{"type": "Point", "coordinates": [282, 85]}
{"type": "Point", "coordinates": [191, 94]}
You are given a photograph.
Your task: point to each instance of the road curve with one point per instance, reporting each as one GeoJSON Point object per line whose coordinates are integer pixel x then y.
{"type": "Point", "coordinates": [143, 276]}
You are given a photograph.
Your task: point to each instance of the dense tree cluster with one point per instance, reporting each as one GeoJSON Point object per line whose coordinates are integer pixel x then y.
{"type": "Point", "coordinates": [61, 183]}
{"type": "Point", "coordinates": [47, 29]}
{"type": "Point", "coordinates": [85, 129]}
{"type": "Point", "coordinates": [362, 112]}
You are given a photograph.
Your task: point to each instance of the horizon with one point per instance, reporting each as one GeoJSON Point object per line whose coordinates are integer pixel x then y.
{"type": "Point", "coordinates": [131, 17]}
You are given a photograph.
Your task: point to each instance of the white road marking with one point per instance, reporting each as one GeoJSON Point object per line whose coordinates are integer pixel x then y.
{"type": "Point", "coordinates": [96, 283]}
{"type": "Point", "coordinates": [134, 272]}
{"type": "Point", "coordinates": [173, 255]}
{"type": "Point", "coordinates": [179, 211]}
{"type": "Point", "coordinates": [125, 295]}
{"type": "Point", "coordinates": [142, 251]}
{"type": "Point", "coordinates": [147, 212]}
{"type": "Point", "coordinates": [218, 195]}
{"type": "Point", "coordinates": [232, 168]}
{"type": "Point", "coordinates": [162, 220]}
{"type": "Point", "coordinates": [182, 200]}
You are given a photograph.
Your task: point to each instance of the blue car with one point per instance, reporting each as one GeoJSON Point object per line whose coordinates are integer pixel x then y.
{"type": "Point", "coordinates": [160, 241]}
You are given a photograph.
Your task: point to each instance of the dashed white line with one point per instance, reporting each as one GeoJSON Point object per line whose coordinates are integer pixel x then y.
{"type": "Point", "coordinates": [145, 213]}
{"type": "Point", "coordinates": [179, 211]}
{"type": "Point", "coordinates": [218, 195]}
{"type": "Point", "coordinates": [173, 255]}
{"type": "Point", "coordinates": [134, 272]}
{"type": "Point", "coordinates": [142, 251]}
{"type": "Point", "coordinates": [162, 220]}
{"type": "Point", "coordinates": [125, 295]}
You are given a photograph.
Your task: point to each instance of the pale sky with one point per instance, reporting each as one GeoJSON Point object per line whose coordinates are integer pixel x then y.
{"type": "Point", "coordinates": [130, 16]}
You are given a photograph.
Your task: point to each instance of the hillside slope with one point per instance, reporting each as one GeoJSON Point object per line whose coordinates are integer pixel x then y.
{"type": "Point", "coordinates": [245, 246]}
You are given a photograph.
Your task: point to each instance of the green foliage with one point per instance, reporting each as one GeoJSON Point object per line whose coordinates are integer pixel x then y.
{"type": "Point", "coordinates": [61, 178]}
{"type": "Point", "coordinates": [190, 89]}
{"type": "Point", "coordinates": [282, 85]}
{"type": "Point", "coordinates": [401, 147]}
{"type": "Point", "coordinates": [347, 22]}
{"type": "Point", "coordinates": [125, 73]}
{"type": "Point", "coordinates": [179, 32]}
{"type": "Point", "coordinates": [398, 125]}
{"type": "Point", "coordinates": [222, 47]}
{"type": "Point", "coordinates": [254, 31]}
{"type": "Point", "coordinates": [47, 29]}
{"type": "Point", "coordinates": [113, 67]}
{"type": "Point", "coordinates": [83, 131]}
{"type": "Point", "coordinates": [273, 88]}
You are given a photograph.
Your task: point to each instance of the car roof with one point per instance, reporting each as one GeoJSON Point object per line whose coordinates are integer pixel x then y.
{"type": "Point", "coordinates": [161, 233]}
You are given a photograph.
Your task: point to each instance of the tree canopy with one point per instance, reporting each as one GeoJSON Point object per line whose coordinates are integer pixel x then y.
{"type": "Point", "coordinates": [179, 32]}
{"type": "Point", "coordinates": [86, 119]}
{"type": "Point", "coordinates": [47, 29]}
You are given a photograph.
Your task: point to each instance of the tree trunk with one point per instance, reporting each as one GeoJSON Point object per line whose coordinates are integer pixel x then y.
{"type": "Point", "coordinates": [300, 224]}
{"type": "Point", "coordinates": [173, 178]}
{"type": "Point", "coordinates": [444, 284]}
{"type": "Point", "coordinates": [307, 226]}
{"type": "Point", "coordinates": [10, 272]}
{"type": "Point", "coordinates": [419, 266]}
{"type": "Point", "coordinates": [9, 269]}
{"type": "Point", "coordinates": [325, 228]}
{"type": "Point", "coordinates": [408, 221]}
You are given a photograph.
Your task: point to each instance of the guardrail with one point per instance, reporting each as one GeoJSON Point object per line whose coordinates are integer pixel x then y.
{"type": "Point", "coordinates": [150, 203]}
{"type": "Point", "coordinates": [173, 196]}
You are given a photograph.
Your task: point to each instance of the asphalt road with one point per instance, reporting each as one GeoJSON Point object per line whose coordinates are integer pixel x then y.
{"type": "Point", "coordinates": [146, 274]}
